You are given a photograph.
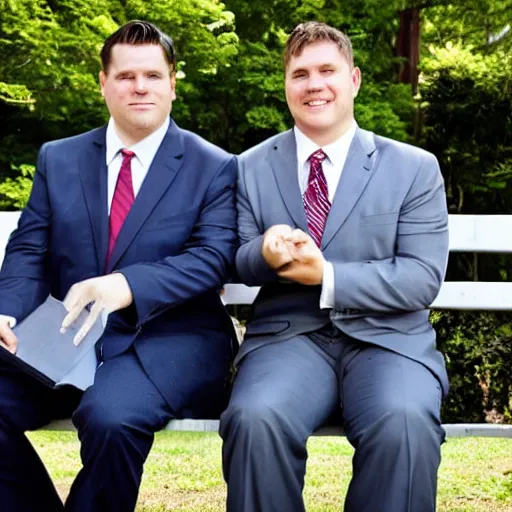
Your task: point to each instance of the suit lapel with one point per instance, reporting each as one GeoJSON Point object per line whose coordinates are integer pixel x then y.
{"type": "Point", "coordinates": [93, 177]}
{"type": "Point", "coordinates": [283, 160]}
{"type": "Point", "coordinates": [353, 180]}
{"type": "Point", "coordinates": [162, 172]}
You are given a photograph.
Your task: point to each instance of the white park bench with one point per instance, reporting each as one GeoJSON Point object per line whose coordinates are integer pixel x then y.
{"type": "Point", "coordinates": [468, 233]}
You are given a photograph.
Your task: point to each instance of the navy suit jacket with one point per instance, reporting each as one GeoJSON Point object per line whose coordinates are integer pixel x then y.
{"type": "Point", "coordinates": [175, 249]}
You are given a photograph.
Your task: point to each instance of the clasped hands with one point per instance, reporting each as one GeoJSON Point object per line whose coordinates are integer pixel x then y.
{"type": "Point", "coordinates": [293, 254]}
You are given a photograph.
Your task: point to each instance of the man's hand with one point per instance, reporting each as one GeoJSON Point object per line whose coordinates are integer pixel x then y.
{"type": "Point", "coordinates": [7, 337]}
{"type": "Point", "coordinates": [274, 248]}
{"type": "Point", "coordinates": [107, 293]}
{"type": "Point", "coordinates": [307, 266]}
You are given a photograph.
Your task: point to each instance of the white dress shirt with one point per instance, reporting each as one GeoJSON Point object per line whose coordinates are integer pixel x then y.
{"type": "Point", "coordinates": [332, 166]}
{"type": "Point", "coordinates": [145, 151]}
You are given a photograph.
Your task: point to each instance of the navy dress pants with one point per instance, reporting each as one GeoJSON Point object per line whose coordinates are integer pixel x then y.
{"type": "Point", "coordinates": [116, 419]}
{"type": "Point", "coordinates": [285, 390]}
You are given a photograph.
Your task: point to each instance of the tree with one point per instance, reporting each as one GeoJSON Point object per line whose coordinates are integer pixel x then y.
{"type": "Point", "coordinates": [466, 101]}
{"type": "Point", "coordinates": [248, 99]}
{"type": "Point", "coordinates": [52, 57]}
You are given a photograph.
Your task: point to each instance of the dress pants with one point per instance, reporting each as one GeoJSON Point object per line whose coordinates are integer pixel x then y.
{"type": "Point", "coordinates": [116, 419]}
{"type": "Point", "coordinates": [285, 390]}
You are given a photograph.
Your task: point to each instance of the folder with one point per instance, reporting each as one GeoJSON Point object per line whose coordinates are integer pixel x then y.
{"type": "Point", "coordinates": [50, 356]}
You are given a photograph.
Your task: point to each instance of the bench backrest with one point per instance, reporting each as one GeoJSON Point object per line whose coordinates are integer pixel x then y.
{"type": "Point", "coordinates": [8, 223]}
{"type": "Point", "coordinates": [468, 233]}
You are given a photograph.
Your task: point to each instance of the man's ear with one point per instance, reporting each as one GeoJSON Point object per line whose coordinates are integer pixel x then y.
{"type": "Point", "coordinates": [356, 81]}
{"type": "Point", "coordinates": [103, 79]}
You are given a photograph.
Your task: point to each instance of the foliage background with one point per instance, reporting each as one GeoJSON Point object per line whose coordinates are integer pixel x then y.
{"type": "Point", "coordinates": [230, 89]}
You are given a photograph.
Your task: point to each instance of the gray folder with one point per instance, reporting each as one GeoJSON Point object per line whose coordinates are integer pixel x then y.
{"type": "Point", "coordinates": [51, 356]}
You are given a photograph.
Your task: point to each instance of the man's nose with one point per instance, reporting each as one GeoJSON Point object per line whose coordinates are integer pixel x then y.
{"type": "Point", "coordinates": [140, 85]}
{"type": "Point", "coordinates": [315, 81]}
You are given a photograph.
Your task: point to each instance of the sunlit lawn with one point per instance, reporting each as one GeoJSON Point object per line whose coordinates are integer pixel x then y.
{"type": "Point", "coordinates": [183, 472]}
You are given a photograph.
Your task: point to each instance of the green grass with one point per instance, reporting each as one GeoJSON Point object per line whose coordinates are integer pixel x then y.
{"type": "Point", "coordinates": [183, 473]}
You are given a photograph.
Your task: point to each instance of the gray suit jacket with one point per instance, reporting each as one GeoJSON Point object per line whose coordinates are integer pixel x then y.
{"type": "Point", "coordinates": [386, 235]}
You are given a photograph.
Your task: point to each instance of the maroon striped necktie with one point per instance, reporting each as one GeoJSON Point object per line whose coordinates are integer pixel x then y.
{"type": "Point", "coordinates": [316, 198]}
{"type": "Point", "coordinates": [122, 200]}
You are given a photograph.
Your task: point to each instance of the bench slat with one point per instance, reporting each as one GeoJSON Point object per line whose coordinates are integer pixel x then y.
{"type": "Point", "coordinates": [451, 429]}
{"type": "Point", "coordinates": [476, 295]}
{"type": "Point", "coordinates": [239, 294]}
{"type": "Point", "coordinates": [480, 233]}
{"type": "Point", "coordinates": [188, 425]}
{"type": "Point", "coordinates": [466, 295]}
{"type": "Point", "coordinates": [468, 233]}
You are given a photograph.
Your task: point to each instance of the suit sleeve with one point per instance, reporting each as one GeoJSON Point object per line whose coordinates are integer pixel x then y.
{"type": "Point", "coordinates": [251, 267]}
{"type": "Point", "coordinates": [411, 280]}
{"type": "Point", "coordinates": [205, 260]}
{"type": "Point", "coordinates": [23, 278]}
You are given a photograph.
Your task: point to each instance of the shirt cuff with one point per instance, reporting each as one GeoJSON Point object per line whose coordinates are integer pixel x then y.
{"type": "Point", "coordinates": [10, 319]}
{"type": "Point", "coordinates": [327, 296]}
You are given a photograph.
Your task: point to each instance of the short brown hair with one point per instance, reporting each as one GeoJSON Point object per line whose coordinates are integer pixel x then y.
{"type": "Point", "coordinates": [137, 33]}
{"type": "Point", "coordinates": [316, 32]}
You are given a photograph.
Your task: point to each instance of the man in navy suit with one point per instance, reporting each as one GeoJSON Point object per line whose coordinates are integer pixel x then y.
{"type": "Point", "coordinates": [138, 219]}
{"type": "Point", "coordinates": [350, 254]}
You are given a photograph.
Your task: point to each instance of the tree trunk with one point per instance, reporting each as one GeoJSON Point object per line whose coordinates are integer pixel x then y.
{"type": "Point", "coordinates": [408, 47]}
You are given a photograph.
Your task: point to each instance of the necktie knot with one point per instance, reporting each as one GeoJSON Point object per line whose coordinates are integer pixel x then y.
{"type": "Point", "coordinates": [317, 157]}
{"type": "Point", "coordinates": [127, 154]}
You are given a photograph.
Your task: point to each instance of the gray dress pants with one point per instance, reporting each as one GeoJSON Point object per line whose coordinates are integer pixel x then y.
{"type": "Point", "coordinates": [285, 390]}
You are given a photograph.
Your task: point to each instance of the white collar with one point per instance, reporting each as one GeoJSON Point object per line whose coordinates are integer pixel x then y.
{"type": "Point", "coordinates": [145, 150]}
{"type": "Point", "coordinates": [336, 151]}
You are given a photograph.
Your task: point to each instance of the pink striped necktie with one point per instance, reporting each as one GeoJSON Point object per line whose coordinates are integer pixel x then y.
{"type": "Point", "coordinates": [122, 200]}
{"type": "Point", "coordinates": [316, 198]}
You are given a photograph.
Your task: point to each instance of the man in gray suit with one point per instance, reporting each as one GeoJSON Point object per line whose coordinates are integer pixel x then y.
{"type": "Point", "coordinates": [346, 232]}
